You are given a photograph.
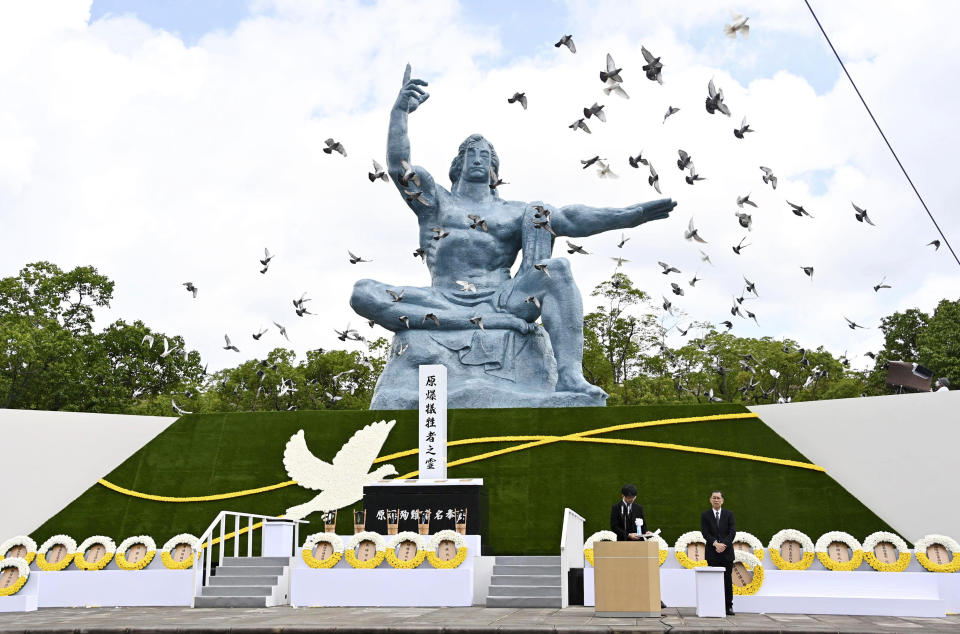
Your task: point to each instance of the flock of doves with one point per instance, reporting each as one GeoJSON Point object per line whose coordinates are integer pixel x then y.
{"type": "Point", "coordinates": [612, 79]}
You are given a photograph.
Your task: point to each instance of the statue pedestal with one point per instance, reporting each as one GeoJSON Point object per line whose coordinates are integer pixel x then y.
{"type": "Point", "coordinates": [501, 367]}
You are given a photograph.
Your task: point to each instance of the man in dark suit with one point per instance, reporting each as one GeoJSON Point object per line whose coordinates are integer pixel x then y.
{"type": "Point", "coordinates": [624, 514]}
{"type": "Point", "coordinates": [718, 530]}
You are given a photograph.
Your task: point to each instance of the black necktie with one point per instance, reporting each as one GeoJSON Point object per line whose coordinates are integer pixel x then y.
{"type": "Point", "coordinates": [718, 520]}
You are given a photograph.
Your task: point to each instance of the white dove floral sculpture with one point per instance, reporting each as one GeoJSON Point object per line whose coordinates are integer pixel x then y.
{"type": "Point", "coordinates": [341, 480]}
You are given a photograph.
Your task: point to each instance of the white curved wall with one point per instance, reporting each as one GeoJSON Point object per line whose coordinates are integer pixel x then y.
{"type": "Point", "coordinates": [898, 454]}
{"type": "Point", "coordinates": [53, 457]}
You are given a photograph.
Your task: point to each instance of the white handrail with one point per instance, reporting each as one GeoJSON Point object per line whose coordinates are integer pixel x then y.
{"type": "Point", "coordinates": [571, 549]}
{"type": "Point", "coordinates": [204, 561]}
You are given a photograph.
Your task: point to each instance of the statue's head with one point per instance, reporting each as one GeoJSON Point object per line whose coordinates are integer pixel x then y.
{"type": "Point", "coordinates": [474, 160]}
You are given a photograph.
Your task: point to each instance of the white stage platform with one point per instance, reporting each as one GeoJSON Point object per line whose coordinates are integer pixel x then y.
{"type": "Point", "coordinates": [864, 592]}
{"type": "Point", "coordinates": [384, 586]}
{"type": "Point", "coordinates": [155, 585]}
{"type": "Point", "coordinates": [23, 601]}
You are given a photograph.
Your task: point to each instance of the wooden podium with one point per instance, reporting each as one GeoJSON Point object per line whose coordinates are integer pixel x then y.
{"type": "Point", "coordinates": [626, 578]}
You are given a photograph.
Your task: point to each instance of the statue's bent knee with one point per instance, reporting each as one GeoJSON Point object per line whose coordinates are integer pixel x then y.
{"type": "Point", "coordinates": [363, 297]}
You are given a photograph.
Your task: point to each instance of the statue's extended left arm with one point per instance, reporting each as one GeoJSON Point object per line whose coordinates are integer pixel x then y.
{"type": "Point", "coordinates": [581, 220]}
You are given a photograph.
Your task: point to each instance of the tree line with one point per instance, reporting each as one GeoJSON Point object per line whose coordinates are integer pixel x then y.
{"type": "Point", "coordinates": [52, 358]}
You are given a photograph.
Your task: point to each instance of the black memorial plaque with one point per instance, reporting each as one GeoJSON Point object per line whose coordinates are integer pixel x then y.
{"type": "Point", "coordinates": [410, 501]}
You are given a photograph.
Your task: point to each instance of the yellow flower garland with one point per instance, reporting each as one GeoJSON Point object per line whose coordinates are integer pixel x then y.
{"type": "Point", "coordinates": [29, 557]}
{"type": "Point", "coordinates": [436, 562]}
{"type": "Point", "coordinates": [754, 585]}
{"type": "Point", "coordinates": [80, 561]}
{"type": "Point", "coordinates": [903, 560]}
{"type": "Point", "coordinates": [313, 562]}
{"type": "Point", "coordinates": [351, 556]}
{"type": "Point", "coordinates": [177, 565]}
{"type": "Point", "coordinates": [783, 564]}
{"type": "Point", "coordinates": [832, 564]}
{"type": "Point", "coordinates": [588, 555]}
{"type": "Point", "coordinates": [663, 556]}
{"type": "Point", "coordinates": [953, 566]}
{"type": "Point", "coordinates": [15, 588]}
{"type": "Point", "coordinates": [391, 556]}
{"type": "Point", "coordinates": [396, 540]}
{"type": "Point", "coordinates": [123, 564]}
{"type": "Point", "coordinates": [60, 565]}
{"type": "Point", "coordinates": [688, 563]}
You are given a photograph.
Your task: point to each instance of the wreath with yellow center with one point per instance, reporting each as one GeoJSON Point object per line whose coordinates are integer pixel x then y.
{"type": "Point", "coordinates": [173, 542]}
{"type": "Point", "coordinates": [350, 552]}
{"type": "Point", "coordinates": [922, 551]}
{"type": "Point", "coordinates": [845, 539]}
{"type": "Point", "coordinates": [23, 573]}
{"type": "Point", "coordinates": [310, 545]}
{"type": "Point", "coordinates": [756, 546]}
{"type": "Point", "coordinates": [458, 541]}
{"type": "Point", "coordinates": [399, 538]}
{"type": "Point", "coordinates": [109, 548]}
{"type": "Point", "coordinates": [121, 557]}
{"type": "Point", "coordinates": [791, 535]}
{"type": "Point", "coordinates": [65, 541]}
{"type": "Point", "coordinates": [664, 548]}
{"type": "Point", "coordinates": [869, 552]}
{"type": "Point", "coordinates": [22, 544]}
{"type": "Point", "coordinates": [599, 536]}
{"type": "Point", "coordinates": [750, 562]}
{"type": "Point", "coordinates": [680, 549]}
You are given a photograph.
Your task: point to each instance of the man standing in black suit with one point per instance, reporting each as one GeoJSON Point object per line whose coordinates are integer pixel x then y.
{"type": "Point", "coordinates": [624, 515]}
{"type": "Point", "coordinates": [718, 530]}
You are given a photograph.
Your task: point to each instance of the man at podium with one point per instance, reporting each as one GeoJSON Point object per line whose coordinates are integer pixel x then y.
{"type": "Point", "coordinates": [625, 514]}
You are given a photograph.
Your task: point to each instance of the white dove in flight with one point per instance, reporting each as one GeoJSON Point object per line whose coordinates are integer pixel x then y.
{"type": "Point", "coordinates": [341, 480]}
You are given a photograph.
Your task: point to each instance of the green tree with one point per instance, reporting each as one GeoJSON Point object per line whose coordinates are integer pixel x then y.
{"type": "Point", "coordinates": [938, 344]}
{"type": "Point", "coordinates": [615, 337]}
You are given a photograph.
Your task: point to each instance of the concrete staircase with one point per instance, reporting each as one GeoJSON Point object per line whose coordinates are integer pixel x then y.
{"type": "Point", "coordinates": [247, 582]}
{"type": "Point", "coordinates": [525, 582]}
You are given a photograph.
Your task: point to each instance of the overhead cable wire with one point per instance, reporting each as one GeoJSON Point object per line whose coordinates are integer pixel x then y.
{"type": "Point", "coordinates": [880, 130]}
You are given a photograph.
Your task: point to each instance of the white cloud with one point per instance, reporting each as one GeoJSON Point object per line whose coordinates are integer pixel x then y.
{"type": "Point", "coordinates": [161, 163]}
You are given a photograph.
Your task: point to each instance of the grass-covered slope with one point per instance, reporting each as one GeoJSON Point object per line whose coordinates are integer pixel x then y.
{"type": "Point", "coordinates": [219, 453]}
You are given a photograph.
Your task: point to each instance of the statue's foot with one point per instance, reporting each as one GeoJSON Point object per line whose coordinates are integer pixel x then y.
{"type": "Point", "coordinates": [574, 382]}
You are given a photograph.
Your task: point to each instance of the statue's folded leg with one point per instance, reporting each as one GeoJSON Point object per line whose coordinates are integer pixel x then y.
{"type": "Point", "coordinates": [562, 312]}
{"type": "Point", "coordinates": [371, 300]}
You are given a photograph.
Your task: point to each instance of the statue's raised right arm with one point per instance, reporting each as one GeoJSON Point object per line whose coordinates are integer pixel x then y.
{"type": "Point", "coordinates": [419, 196]}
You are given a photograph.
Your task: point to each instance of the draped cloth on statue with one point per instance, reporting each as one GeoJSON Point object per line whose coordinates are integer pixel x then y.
{"type": "Point", "coordinates": [495, 350]}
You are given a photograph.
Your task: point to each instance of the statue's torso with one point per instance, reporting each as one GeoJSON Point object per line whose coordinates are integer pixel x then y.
{"type": "Point", "coordinates": [481, 257]}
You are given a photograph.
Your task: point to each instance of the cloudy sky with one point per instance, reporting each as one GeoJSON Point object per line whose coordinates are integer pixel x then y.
{"type": "Point", "coordinates": [170, 141]}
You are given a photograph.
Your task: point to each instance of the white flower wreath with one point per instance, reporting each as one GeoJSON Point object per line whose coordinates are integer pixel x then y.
{"type": "Point", "coordinates": [173, 542]}
{"type": "Point", "coordinates": [844, 538]}
{"type": "Point", "coordinates": [663, 548]}
{"type": "Point", "coordinates": [57, 540]}
{"type": "Point", "coordinates": [750, 562]}
{"type": "Point", "coordinates": [23, 573]}
{"type": "Point", "coordinates": [399, 538]}
{"type": "Point", "coordinates": [903, 552]}
{"type": "Point", "coordinates": [80, 559]}
{"type": "Point", "coordinates": [350, 552]}
{"type": "Point", "coordinates": [19, 540]}
{"type": "Point", "coordinates": [756, 546]}
{"type": "Point", "coordinates": [680, 549]}
{"type": "Point", "coordinates": [599, 536]}
{"type": "Point", "coordinates": [125, 545]}
{"type": "Point", "coordinates": [920, 552]}
{"type": "Point", "coordinates": [458, 541]}
{"type": "Point", "coordinates": [791, 534]}
{"type": "Point", "coordinates": [330, 538]}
